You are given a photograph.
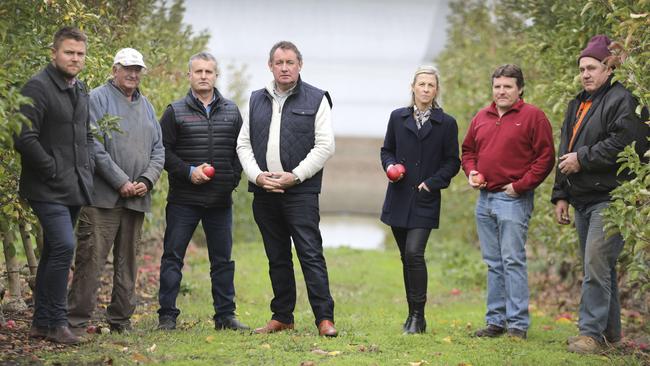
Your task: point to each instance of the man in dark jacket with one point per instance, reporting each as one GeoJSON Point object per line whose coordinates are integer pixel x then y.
{"type": "Point", "coordinates": [56, 176]}
{"type": "Point", "coordinates": [200, 135]}
{"type": "Point", "coordinates": [283, 150]}
{"type": "Point", "coordinates": [599, 123]}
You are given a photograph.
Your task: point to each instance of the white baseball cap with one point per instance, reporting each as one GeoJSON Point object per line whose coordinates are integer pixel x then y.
{"type": "Point", "coordinates": [129, 57]}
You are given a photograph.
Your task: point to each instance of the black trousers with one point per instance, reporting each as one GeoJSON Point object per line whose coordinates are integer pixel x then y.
{"type": "Point", "coordinates": [281, 218]}
{"type": "Point", "coordinates": [411, 244]}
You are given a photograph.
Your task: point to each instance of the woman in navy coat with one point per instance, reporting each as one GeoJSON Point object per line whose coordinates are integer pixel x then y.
{"type": "Point", "coordinates": [425, 140]}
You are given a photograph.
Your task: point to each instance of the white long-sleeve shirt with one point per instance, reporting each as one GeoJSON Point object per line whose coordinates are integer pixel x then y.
{"type": "Point", "coordinates": [315, 160]}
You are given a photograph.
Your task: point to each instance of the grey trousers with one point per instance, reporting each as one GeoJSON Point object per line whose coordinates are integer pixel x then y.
{"type": "Point", "coordinates": [98, 230]}
{"type": "Point", "coordinates": [600, 309]}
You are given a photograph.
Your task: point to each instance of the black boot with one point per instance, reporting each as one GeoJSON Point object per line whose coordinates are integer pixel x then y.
{"type": "Point", "coordinates": [418, 323]}
{"type": "Point", "coordinates": [409, 318]}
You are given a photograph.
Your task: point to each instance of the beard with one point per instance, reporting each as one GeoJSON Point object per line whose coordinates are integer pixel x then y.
{"type": "Point", "coordinates": [64, 71]}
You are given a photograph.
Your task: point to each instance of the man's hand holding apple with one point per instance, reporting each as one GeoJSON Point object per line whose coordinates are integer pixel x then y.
{"type": "Point", "coordinates": [198, 176]}
{"type": "Point", "coordinates": [476, 180]}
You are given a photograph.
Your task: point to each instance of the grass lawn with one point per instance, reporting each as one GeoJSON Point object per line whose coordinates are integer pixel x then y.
{"type": "Point", "coordinates": [370, 309]}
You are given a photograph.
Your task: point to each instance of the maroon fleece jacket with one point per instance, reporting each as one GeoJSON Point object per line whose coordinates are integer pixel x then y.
{"type": "Point", "coordinates": [515, 148]}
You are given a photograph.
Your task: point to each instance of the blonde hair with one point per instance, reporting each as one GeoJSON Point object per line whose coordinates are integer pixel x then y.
{"type": "Point", "coordinates": [430, 70]}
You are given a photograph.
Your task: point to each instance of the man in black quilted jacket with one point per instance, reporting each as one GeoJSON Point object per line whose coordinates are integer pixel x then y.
{"type": "Point", "coordinates": [200, 136]}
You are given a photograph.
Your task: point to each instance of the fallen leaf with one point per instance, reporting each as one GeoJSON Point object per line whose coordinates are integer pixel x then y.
{"type": "Point", "coordinates": [318, 351]}
{"type": "Point", "coordinates": [548, 327]}
{"type": "Point", "coordinates": [333, 353]}
{"type": "Point", "coordinates": [447, 339]}
{"type": "Point", "coordinates": [362, 348]}
{"type": "Point", "coordinates": [209, 339]}
{"type": "Point", "coordinates": [455, 291]}
{"type": "Point", "coordinates": [137, 357]}
{"type": "Point", "coordinates": [418, 363]}
{"type": "Point", "coordinates": [308, 363]}
{"type": "Point", "coordinates": [265, 346]}
{"type": "Point", "coordinates": [152, 348]}
{"type": "Point", "coordinates": [563, 321]}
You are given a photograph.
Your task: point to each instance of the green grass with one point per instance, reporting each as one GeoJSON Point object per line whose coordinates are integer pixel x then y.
{"type": "Point", "coordinates": [370, 308]}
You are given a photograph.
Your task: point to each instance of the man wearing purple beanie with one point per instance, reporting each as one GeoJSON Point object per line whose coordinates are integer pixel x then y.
{"type": "Point", "coordinates": [598, 124]}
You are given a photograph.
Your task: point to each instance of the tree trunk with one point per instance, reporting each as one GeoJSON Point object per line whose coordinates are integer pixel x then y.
{"type": "Point", "coordinates": [15, 301]}
{"type": "Point", "coordinates": [32, 262]}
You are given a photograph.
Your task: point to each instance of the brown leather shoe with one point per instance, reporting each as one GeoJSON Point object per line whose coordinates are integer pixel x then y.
{"type": "Point", "coordinates": [273, 326]}
{"type": "Point", "coordinates": [326, 328]}
{"type": "Point", "coordinates": [63, 335]}
{"type": "Point", "coordinates": [38, 332]}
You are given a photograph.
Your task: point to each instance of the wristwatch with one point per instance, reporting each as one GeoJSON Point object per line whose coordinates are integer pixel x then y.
{"type": "Point", "coordinates": [296, 180]}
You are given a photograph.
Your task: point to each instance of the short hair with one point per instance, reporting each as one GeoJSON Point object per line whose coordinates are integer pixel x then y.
{"type": "Point", "coordinates": [285, 45]}
{"type": "Point", "coordinates": [429, 70]}
{"type": "Point", "coordinates": [68, 33]}
{"type": "Point", "coordinates": [205, 56]}
{"type": "Point", "coordinates": [510, 71]}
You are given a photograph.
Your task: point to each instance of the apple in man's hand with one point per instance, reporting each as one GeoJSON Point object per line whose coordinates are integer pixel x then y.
{"type": "Point", "coordinates": [395, 171]}
{"type": "Point", "coordinates": [208, 171]}
{"type": "Point", "coordinates": [478, 178]}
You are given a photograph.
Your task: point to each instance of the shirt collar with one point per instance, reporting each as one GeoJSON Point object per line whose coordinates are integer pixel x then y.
{"type": "Point", "coordinates": [134, 97]}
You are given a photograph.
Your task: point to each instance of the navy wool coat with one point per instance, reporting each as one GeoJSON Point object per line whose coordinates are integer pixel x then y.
{"type": "Point", "coordinates": [430, 155]}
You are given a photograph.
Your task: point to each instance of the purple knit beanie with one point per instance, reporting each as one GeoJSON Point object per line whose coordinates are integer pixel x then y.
{"type": "Point", "coordinates": [597, 48]}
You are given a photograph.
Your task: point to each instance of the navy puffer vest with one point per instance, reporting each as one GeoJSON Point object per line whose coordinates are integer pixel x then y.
{"type": "Point", "coordinates": [297, 131]}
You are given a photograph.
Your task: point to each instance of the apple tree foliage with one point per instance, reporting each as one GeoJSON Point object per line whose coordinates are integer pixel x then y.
{"type": "Point", "coordinates": [153, 27]}
{"type": "Point", "coordinates": [545, 37]}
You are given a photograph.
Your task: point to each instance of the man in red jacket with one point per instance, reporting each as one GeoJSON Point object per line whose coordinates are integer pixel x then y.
{"type": "Point", "coordinates": [507, 152]}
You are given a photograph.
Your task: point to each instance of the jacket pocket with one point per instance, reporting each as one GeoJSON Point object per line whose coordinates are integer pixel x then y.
{"type": "Point", "coordinates": [303, 120]}
{"type": "Point", "coordinates": [427, 203]}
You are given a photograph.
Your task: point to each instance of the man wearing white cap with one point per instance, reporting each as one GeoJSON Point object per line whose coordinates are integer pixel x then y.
{"type": "Point", "coordinates": [128, 164]}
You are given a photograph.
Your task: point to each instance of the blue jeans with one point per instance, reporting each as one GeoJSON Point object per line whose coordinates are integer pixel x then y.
{"type": "Point", "coordinates": [600, 310]}
{"type": "Point", "coordinates": [50, 294]}
{"type": "Point", "coordinates": [217, 225]}
{"type": "Point", "coordinates": [502, 223]}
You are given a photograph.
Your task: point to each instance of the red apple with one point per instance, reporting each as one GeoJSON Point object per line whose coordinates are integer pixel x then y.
{"type": "Point", "coordinates": [393, 173]}
{"type": "Point", "coordinates": [478, 178]}
{"type": "Point", "coordinates": [401, 168]}
{"type": "Point", "coordinates": [10, 324]}
{"type": "Point", "coordinates": [208, 171]}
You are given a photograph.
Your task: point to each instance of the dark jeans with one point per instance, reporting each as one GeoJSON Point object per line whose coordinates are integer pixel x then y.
{"type": "Point", "coordinates": [281, 218]}
{"type": "Point", "coordinates": [57, 221]}
{"type": "Point", "coordinates": [217, 225]}
{"type": "Point", "coordinates": [411, 244]}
